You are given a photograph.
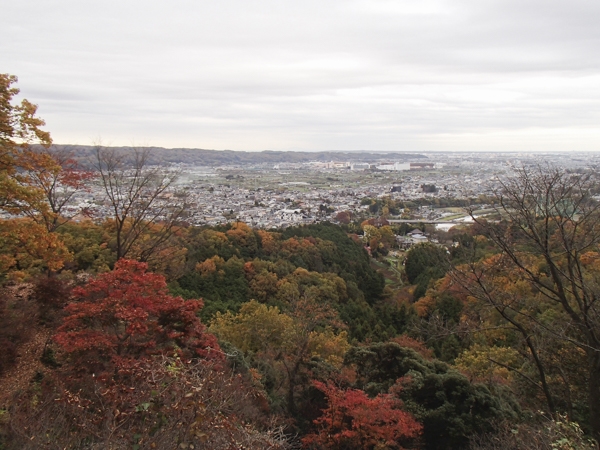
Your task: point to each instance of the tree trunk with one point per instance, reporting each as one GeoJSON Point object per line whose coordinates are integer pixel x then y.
{"type": "Point", "coordinates": [594, 400]}
{"type": "Point", "coordinates": [542, 374]}
{"type": "Point", "coordinates": [291, 402]}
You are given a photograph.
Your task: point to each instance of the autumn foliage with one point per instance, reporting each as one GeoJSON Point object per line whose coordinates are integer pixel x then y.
{"type": "Point", "coordinates": [128, 313]}
{"type": "Point", "coordinates": [25, 245]}
{"type": "Point", "coordinates": [131, 365]}
{"type": "Point", "coordinates": [152, 403]}
{"type": "Point", "coordinates": [300, 312]}
{"type": "Point", "coordinates": [354, 421]}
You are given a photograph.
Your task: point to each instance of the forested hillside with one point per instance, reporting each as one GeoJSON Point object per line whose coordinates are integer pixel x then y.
{"type": "Point", "coordinates": [203, 157]}
{"type": "Point", "coordinates": [141, 332]}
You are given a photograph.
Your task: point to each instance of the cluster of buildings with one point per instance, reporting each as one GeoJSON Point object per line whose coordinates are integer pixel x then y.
{"type": "Point", "coordinates": [216, 196]}
{"type": "Point", "coordinates": [296, 204]}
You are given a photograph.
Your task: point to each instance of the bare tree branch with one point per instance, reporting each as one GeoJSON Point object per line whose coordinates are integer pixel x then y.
{"type": "Point", "coordinates": [146, 207]}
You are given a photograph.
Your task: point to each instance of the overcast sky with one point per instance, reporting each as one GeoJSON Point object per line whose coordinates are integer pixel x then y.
{"type": "Point", "coordinates": [408, 75]}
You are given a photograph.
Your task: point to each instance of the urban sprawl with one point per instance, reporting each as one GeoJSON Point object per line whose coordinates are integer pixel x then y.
{"type": "Point", "coordinates": [284, 194]}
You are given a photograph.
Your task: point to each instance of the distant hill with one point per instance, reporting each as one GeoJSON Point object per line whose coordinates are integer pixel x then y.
{"type": "Point", "coordinates": [202, 157]}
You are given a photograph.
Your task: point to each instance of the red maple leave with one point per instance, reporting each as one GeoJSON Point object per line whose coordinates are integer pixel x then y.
{"type": "Point", "coordinates": [355, 421]}
{"type": "Point", "coordinates": [128, 313]}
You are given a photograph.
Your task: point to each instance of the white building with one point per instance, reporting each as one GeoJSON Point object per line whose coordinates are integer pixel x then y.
{"type": "Point", "coordinates": [395, 166]}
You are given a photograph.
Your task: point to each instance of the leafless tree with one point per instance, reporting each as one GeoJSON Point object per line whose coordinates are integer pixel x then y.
{"type": "Point", "coordinates": [548, 235]}
{"type": "Point", "coordinates": [145, 206]}
{"type": "Point", "coordinates": [480, 281]}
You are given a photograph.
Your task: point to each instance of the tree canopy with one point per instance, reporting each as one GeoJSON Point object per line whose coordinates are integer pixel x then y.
{"type": "Point", "coordinates": [25, 243]}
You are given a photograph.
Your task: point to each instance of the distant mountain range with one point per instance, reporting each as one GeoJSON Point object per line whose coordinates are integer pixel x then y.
{"type": "Point", "coordinates": [202, 157]}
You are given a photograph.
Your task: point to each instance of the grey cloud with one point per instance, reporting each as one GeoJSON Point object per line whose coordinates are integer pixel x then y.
{"type": "Point", "coordinates": [311, 75]}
